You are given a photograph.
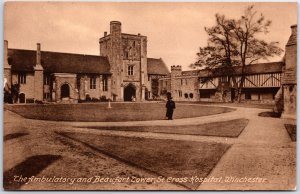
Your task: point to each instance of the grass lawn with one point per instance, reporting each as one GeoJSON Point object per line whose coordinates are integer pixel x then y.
{"type": "Point", "coordinates": [167, 158]}
{"type": "Point", "coordinates": [232, 128]}
{"type": "Point", "coordinates": [269, 114]}
{"type": "Point", "coordinates": [235, 104]}
{"type": "Point", "coordinates": [118, 112]}
{"type": "Point", "coordinates": [292, 130]}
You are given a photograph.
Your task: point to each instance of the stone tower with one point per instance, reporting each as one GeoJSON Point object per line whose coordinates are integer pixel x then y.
{"type": "Point", "coordinates": [125, 51]}
{"type": "Point", "coordinates": [175, 72]}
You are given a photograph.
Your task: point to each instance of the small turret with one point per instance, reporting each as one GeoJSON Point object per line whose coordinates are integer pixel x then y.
{"type": "Point", "coordinates": [115, 27]}
{"type": "Point", "coordinates": [176, 70]}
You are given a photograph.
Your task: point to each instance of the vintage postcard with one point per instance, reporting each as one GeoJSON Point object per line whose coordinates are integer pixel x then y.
{"type": "Point", "coordinates": [149, 96]}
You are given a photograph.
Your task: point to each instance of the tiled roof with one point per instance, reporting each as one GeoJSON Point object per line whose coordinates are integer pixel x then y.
{"type": "Point", "coordinates": [53, 62]}
{"type": "Point", "coordinates": [156, 67]}
{"type": "Point", "coordinates": [274, 67]}
{"type": "Point", "coordinates": [190, 73]}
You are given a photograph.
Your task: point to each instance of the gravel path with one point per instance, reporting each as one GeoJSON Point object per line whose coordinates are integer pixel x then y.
{"type": "Point", "coordinates": [264, 149]}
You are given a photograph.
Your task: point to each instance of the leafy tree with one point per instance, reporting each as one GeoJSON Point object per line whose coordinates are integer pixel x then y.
{"type": "Point", "coordinates": [235, 42]}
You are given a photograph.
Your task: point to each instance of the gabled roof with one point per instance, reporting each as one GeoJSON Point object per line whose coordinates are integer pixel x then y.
{"type": "Point", "coordinates": [157, 67]}
{"type": "Point", "coordinates": [260, 68]}
{"type": "Point", "coordinates": [53, 62]}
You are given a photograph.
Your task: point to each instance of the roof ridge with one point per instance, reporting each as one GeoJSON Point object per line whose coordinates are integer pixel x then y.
{"type": "Point", "coordinates": [58, 52]}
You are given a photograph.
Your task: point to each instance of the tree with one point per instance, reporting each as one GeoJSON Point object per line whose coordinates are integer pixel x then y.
{"type": "Point", "coordinates": [235, 43]}
{"type": "Point", "coordinates": [15, 90]}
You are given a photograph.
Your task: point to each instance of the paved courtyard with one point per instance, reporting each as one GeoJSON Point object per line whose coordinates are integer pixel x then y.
{"type": "Point", "coordinates": [263, 150]}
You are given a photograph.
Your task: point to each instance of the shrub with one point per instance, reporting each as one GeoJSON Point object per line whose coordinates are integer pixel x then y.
{"type": "Point", "coordinates": [30, 100]}
{"type": "Point", "coordinates": [103, 99]}
{"type": "Point", "coordinates": [88, 98]}
{"type": "Point", "coordinates": [39, 102]}
{"type": "Point", "coordinates": [95, 100]}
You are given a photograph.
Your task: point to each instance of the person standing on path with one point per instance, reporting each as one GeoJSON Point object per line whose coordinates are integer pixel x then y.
{"type": "Point", "coordinates": [170, 105]}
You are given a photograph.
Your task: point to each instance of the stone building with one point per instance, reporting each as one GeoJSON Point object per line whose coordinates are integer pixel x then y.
{"type": "Point", "coordinates": [289, 82]}
{"type": "Point", "coordinates": [262, 81]}
{"type": "Point", "coordinates": [121, 72]}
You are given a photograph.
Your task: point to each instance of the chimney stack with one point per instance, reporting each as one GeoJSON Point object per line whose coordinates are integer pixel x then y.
{"type": "Point", "coordinates": [294, 29]}
{"type": "Point", "coordinates": [6, 53]}
{"type": "Point", "coordinates": [105, 33]}
{"type": "Point", "coordinates": [293, 38]}
{"type": "Point", "coordinates": [38, 65]}
{"type": "Point", "coordinates": [38, 54]}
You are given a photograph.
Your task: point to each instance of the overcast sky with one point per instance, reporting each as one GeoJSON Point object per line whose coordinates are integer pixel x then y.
{"type": "Point", "coordinates": [175, 31]}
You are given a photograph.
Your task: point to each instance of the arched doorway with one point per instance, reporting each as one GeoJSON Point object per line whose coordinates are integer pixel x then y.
{"type": "Point", "coordinates": [65, 91]}
{"type": "Point", "coordinates": [129, 92]}
{"type": "Point", "coordinates": [22, 98]}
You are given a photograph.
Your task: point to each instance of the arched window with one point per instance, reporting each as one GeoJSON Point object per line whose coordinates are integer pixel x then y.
{"type": "Point", "coordinates": [186, 95]}
{"type": "Point", "coordinates": [191, 95]}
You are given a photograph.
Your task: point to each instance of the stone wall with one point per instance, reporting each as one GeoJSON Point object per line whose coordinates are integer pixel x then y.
{"type": "Point", "coordinates": [289, 82]}
{"type": "Point", "coordinates": [61, 79]}
{"type": "Point", "coordinates": [28, 88]}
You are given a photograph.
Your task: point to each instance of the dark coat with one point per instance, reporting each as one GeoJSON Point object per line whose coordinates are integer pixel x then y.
{"type": "Point", "coordinates": [170, 105]}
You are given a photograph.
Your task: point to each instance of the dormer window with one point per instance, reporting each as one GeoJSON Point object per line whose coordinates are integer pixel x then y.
{"type": "Point", "coordinates": [130, 70]}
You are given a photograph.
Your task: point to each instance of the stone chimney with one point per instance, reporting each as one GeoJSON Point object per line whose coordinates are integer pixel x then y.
{"type": "Point", "coordinates": [105, 33]}
{"type": "Point", "coordinates": [6, 64]}
{"type": "Point", "coordinates": [7, 68]}
{"type": "Point", "coordinates": [38, 75]}
{"type": "Point", "coordinates": [291, 49]}
{"type": "Point", "coordinates": [293, 38]}
{"type": "Point", "coordinates": [289, 78]}
{"type": "Point", "coordinates": [38, 65]}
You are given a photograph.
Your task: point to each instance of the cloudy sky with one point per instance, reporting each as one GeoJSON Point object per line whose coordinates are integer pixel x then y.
{"type": "Point", "coordinates": [175, 31]}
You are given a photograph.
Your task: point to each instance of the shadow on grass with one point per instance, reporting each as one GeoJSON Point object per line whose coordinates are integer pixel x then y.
{"type": "Point", "coordinates": [269, 114]}
{"type": "Point", "coordinates": [14, 135]}
{"type": "Point", "coordinates": [30, 167]}
{"type": "Point", "coordinates": [292, 131]}
{"type": "Point", "coordinates": [231, 128]}
{"type": "Point", "coordinates": [161, 157]}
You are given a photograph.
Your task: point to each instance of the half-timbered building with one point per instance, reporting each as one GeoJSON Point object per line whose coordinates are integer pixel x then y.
{"type": "Point", "coordinates": [261, 81]}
